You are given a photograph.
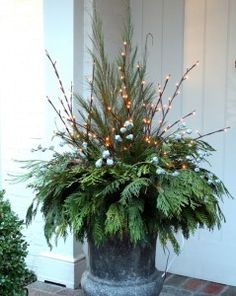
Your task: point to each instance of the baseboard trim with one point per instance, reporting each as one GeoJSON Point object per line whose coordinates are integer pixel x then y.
{"type": "Point", "coordinates": [61, 269]}
{"type": "Point", "coordinates": [63, 258]}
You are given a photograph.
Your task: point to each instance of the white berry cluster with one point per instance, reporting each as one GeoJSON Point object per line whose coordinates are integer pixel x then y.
{"type": "Point", "coordinates": [160, 170]}
{"type": "Point", "coordinates": [197, 160]}
{"type": "Point", "coordinates": [105, 160]}
{"type": "Point", "coordinates": [182, 131]}
{"type": "Point", "coordinates": [128, 125]}
{"type": "Point", "coordinates": [43, 149]}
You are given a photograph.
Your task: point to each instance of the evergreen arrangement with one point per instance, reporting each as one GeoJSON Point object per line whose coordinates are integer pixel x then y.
{"type": "Point", "coordinates": [14, 274]}
{"type": "Point", "coordinates": [128, 172]}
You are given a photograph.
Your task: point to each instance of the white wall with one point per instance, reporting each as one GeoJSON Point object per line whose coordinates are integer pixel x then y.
{"type": "Point", "coordinates": [26, 27]}
{"type": "Point", "coordinates": [21, 93]}
{"type": "Point", "coordinates": [186, 31]}
{"type": "Point", "coordinates": [164, 20]}
{"type": "Point", "coordinates": [210, 37]}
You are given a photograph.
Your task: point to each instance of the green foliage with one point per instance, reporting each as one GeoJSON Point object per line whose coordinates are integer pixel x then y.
{"type": "Point", "coordinates": [125, 199]}
{"type": "Point", "coordinates": [129, 172]}
{"type": "Point", "coordinates": [14, 275]}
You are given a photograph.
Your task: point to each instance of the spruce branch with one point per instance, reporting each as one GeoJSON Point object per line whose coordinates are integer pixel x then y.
{"type": "Point", "coordinates": [88, 126]}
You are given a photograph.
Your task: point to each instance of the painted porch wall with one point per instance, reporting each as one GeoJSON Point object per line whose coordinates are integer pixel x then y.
{"type": "Point", "coordinates": [186, 31]}
{"type": "Point", "coordinates": [182, 32]}
{"type": "Point", "coordinates": [26, 120]}
{"type": "Point", "coordinates": [26, 28]}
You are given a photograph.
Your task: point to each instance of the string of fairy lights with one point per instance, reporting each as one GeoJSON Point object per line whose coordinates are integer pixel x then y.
{"type": "Point", "coordinates": [77, 133]}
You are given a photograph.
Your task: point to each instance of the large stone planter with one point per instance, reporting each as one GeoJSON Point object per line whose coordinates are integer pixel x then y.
{"type": "Point", "coordinates": [117, 268]}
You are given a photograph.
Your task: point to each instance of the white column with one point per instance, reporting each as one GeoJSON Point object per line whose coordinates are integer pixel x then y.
{"type": "Point", "coordinates": [26, 28]}
{"type": "Point", "coordinates": [63, 38]}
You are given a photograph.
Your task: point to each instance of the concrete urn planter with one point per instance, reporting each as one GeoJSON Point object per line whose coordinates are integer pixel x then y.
{"type": "Point", "coordinates": [118, 268]}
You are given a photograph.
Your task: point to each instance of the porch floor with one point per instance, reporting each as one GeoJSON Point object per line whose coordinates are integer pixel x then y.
{"type": "Point", "coordinates": [175, 285]}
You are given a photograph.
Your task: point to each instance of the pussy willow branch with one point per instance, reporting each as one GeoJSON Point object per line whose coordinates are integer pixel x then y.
{"type": "Point", "coordinates": [214, 132]}
{"type": "Point", "coordinates": [71, 117]}
{"type": "Point", "coordinates": [177, 121]}
{"type": "Point", "coordinates": [59, 80]}
{"type": "Point", "coordinates": [159, 101]}
{"type": "Point", "coordinates": [183, 78]}
{"type": "Point", "coordinates": [71, 97]}
{"type": "Point", "coordinates": [68, 109]}
{"type": "Point", "coordinates": [64, 123]}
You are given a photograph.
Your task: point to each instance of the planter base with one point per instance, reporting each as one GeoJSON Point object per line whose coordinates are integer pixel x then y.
{"type": "Point", "coordinates": [94, 286]}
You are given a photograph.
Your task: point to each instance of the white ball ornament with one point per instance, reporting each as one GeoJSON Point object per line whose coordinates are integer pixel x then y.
{"type": "Point", "coordinates": [110, 161]}
{"type": "Point", "coordinates": [98, 163]}
{"type": "Point", "coordinates": [123, 130]}
{"type": "Point", "coordinates": [105, 154]}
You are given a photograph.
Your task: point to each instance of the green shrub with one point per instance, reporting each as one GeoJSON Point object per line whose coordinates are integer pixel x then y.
{"type": "Point", "coordinates": [14, 274]}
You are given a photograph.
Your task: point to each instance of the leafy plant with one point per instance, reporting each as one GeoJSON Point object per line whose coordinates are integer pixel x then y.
{"type": "Point", "coordinates": [129, 172]}
{"type": "Point", "coordinates": [14, 274]}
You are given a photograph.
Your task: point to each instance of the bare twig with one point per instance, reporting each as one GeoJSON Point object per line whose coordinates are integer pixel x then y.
{"type": "Point", "coordinates": [214, 132]}
{"type": "Point", "coordinates": [159, 101]}
{"type": "Point", "coordinates": [177, 121]}
{"type": "Point", "coordinates": [176, 92]}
